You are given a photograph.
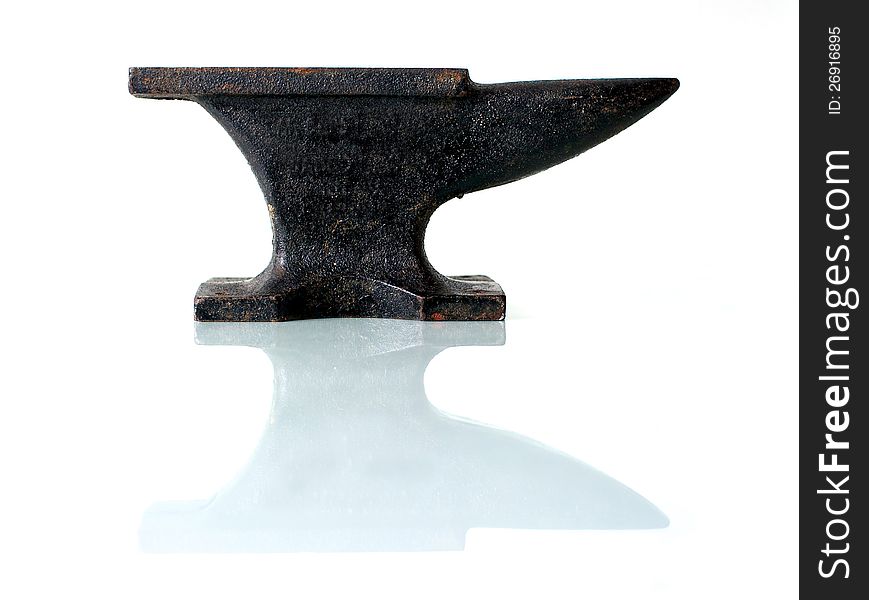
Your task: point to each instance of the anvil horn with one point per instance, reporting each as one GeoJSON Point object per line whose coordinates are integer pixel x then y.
{"type": "Point", "coordinates": [353, 162]}
{"type": "Point", "coordinates": [527, 127]}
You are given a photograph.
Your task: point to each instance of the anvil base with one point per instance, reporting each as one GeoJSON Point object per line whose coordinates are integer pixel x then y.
{"type": "Point", "coordinates": [463, 298]}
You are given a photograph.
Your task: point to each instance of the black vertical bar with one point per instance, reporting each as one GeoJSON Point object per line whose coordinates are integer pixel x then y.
{"type": "Point", "coordinates": [833, 362]}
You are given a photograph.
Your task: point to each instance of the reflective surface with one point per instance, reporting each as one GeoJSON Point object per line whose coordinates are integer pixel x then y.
{"type": "Point", "coordinates": [354, 457]}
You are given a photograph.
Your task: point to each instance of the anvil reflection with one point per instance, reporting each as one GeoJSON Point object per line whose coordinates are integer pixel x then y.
{"type": "Point", "coordinates": [355, 458]}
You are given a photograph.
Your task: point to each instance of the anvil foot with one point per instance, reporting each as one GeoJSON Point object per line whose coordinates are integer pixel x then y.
{"type": "Point", "coordinates": [463, 298]}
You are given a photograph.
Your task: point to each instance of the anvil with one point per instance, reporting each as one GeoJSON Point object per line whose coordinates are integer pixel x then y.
{"type": "Point", "coordinates": [354, 162]}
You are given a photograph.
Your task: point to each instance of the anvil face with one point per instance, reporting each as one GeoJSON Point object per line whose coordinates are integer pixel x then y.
{"type": "Point", "coordinates": [353, 162]}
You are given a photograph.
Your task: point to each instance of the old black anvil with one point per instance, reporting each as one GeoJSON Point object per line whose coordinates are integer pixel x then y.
{"type": "Point", "coordinates": [353, 162]}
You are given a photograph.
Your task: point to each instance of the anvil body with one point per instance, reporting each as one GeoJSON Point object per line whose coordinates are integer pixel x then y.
{"type": "Point", "coordinates": [353, 163]}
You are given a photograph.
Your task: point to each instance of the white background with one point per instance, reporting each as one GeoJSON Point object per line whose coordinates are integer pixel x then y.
{"type": "Point", "coordinates": [651, 283]}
